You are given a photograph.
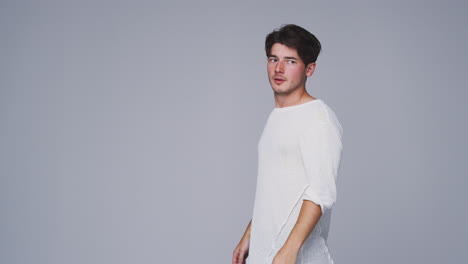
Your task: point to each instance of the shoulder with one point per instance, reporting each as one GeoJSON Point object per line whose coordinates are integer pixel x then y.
{"type": "Point", "coordinates": [323, 115]}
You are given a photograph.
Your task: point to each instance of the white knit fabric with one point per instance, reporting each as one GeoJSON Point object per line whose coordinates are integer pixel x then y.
{"type": "Point", "coordinates": [299, 154]}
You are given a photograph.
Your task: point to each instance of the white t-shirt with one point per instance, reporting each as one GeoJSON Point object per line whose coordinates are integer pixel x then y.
{"type": "Point", "coordinates": [299, 155]}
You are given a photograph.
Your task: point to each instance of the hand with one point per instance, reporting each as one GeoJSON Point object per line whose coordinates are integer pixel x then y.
{"type": "Point", "coordinates": [285, 256]}
{"type": "Point", "coordinates": [241, 252]}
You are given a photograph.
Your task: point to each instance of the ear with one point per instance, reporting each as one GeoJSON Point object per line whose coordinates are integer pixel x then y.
{"type": "Point", "coordinates": [310, 69]}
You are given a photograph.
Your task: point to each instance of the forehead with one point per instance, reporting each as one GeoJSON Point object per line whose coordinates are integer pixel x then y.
{"type": "Point", "coordinates": [281, 50]}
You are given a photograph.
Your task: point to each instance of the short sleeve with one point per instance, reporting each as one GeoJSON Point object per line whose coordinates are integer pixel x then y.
{"type": "Point", "coordinates": [321, 148]}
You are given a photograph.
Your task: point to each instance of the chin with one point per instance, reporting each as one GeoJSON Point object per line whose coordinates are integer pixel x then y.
{"type": "Point", "coordinates": [280, 91]}
{"type": "Point", "coordinates": [276, 89]}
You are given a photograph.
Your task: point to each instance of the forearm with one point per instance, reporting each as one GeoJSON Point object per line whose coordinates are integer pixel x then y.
{"type": "Point", "coordinates": [308, 217]}
{"type": "Point", "coordinates": [247, 230]}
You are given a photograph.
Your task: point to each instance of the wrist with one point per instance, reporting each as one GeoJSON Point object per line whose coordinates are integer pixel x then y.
{"type": "Point", "coordinates": [292, 247]}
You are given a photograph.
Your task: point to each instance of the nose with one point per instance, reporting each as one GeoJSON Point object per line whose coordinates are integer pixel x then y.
{"type": "Point", "coordinates": [279, 68]}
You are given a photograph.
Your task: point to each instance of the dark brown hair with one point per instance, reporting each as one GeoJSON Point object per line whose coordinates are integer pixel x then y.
{"type": "Point", "coordinates": [307, 45]}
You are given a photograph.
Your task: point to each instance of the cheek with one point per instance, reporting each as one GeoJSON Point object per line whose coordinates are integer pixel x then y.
{"type": "Point", "coordinates": [297, 73]}
{"type": "Point", "coordinates": [271, 69]}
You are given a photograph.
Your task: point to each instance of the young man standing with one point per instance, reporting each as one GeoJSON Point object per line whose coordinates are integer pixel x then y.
{"type": "Point", "coordinates": [299, 154]}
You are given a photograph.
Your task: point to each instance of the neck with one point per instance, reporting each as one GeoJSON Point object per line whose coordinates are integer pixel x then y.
{"type": "Point", "coordinates": [299, 97]}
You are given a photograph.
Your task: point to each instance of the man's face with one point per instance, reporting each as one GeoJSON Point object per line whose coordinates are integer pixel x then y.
{"type": "Point", "coordinates": [286, 70]}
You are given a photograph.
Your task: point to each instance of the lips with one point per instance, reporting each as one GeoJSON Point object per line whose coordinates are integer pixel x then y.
{"type": "Point", "coordinates": [279, 80]}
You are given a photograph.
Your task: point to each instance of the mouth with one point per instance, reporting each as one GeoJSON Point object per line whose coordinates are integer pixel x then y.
{"type": "Point", "coordinates": [279, 80]}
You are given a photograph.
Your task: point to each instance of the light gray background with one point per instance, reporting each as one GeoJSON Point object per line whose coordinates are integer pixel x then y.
{"type": "Point", "coordinates": [129, 129]}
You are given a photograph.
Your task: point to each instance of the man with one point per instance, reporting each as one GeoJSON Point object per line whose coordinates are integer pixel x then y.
{"type": "Point", "coordinates": [299, 153]}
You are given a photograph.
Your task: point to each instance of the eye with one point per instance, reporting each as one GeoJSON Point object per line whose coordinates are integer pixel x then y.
{"type": "Point", "coordinates": [272, 60]}
{"type": "Point", "coordinates": [291, 62]}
